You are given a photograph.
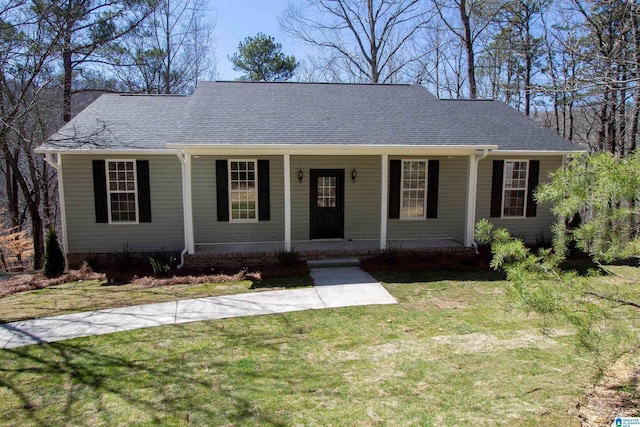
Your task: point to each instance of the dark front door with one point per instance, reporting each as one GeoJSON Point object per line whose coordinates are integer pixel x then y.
{"type": "Point", "coordinates": [327, 201]}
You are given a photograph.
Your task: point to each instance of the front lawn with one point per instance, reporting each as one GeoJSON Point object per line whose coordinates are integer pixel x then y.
{"type": "Point", "coordinates": [99, 294]}
{"type": "Point", "coordinates": [450, 353]}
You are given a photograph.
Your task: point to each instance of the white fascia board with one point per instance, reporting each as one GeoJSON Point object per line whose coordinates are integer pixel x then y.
{"type": "Point", "coordinates": [335, 149]}
{"type": "Point", "coordinates": [534, 152]}
{"type": "Point", "coordinates": [108, 152]}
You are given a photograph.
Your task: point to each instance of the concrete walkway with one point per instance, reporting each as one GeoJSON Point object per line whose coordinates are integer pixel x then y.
{"type": "Point", "coordinates": [334, 287]}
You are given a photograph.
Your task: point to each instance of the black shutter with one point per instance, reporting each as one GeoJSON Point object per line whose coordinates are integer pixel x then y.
{"type": "Point", "coordinates": [496, 188]}
{"type": "Point", "coordinates": [144, 190]}
{"type": "Point", "coordinates": [222, 190]}
{"type": "Point", "coordinates": [534, 173]}
{"type": "Point", "coordinates": [432, 188]}
{"type": "Point", "coordinates": [100, 191]}
{"type": "Point", "coordinates": [264, 204]}
{"type": "Point", "coordinates": [395, 169]}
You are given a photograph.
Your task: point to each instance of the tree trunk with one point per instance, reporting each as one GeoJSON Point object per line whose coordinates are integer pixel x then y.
{"type": "Point", "coordinates": [12, 195]}
{"type": "Point", "coordinates": [527, 84]}
{"type": "Point", "coordinates": [571, 119]}
{"type": "Point", "coordinates": [37, 233]}
{"type": "Point", "coordinates": [437, 65]}
{"type": "Point", "coordinates": [67, 65]}
{"type": "Point", "coordinates": [611, 121]}
{"type": "Point", "coordinates": [167, 71]}
{"type": "Point", "coordinates": [507, 90]}
{"type": "Point", "coordinates": [633, 140]}
{"type": "Point", "coordinates": [552, 72]}
{"type": "Point", "coordinates": [373, 46]}
{"type": "Point", "coordinates": [528, 58]}
{"type": "Point", "coordinates": [468, 42]}
{"type": "Point", "coordinates": [602, 132]}
{"type": "Point", "coordinates": [622, 117]}
{"type": "Point", "coordinates": [32, 199]}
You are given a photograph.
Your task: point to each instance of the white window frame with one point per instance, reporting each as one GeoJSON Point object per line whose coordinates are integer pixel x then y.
{"type": "Point", "coordinates": [504, 189]}
{"type": "Point", "coordinates": [402, 189]}
{"type": "Point", "coordinates": [135, 191]}
{"type": "Point", "coordinates": [255, 168]}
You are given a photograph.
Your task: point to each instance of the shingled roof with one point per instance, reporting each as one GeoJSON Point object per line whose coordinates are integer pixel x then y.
{"type": "Point", "coordinates": [237, 113]}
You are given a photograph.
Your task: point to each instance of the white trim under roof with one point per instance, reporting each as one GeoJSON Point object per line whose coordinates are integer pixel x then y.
{"type": "Point", "coordinates": [263, 149]}
{"type": "Point", "coordinates": [110, 152]}
{"type": "Point", "coordinates": [533, 152]}
{"type": "Point", "coordinates": [330, 149]}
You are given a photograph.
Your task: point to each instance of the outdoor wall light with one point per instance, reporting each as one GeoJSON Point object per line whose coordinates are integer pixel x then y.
{"type": "Point", "coordinates": [300, 175]}
{"type": "Point", "coordinates": [354, 175]}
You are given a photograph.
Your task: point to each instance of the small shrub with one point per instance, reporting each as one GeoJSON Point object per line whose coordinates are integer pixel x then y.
{"type": "Point", "coordinates": [287, 258]}
{"type": "Point", "coordinates": [92, 262]}
{"type": "Point", "coordinates": [126, 258]}
{"type": "Point", "coordinates": [53, 256]}
{"type": "Point", "coordinates": [542, 241]}
{"type": "Point", "coordinates": [392, 254]}
{"type": "Point", "coordinates": [161, 263]}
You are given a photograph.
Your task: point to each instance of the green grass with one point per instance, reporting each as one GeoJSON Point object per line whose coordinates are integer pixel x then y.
{"type": "Point", "coordinates": [94, 295]}
{"type": "Point", "coordinates": [415, 363]}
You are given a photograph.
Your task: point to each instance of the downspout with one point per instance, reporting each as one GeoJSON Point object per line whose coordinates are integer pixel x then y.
{"type": "Point", "coordinates": [478, 157]}
{"type": "Point", "coordinates": [181, 157]}
{"type": "Point", "coordinates": [57, 165]}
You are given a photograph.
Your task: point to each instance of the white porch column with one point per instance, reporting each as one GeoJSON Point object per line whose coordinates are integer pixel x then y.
{"type": "Point", "coordinates": [384, 202]}
{"type": "Point", "coordinates": [189, 205]}
{"type": "Point", "coordinates": [287, 202]}
{"type": "Point", "coordinates": [57, 165]}
{"type": "Point", "coordinates": [187, 201]}
{"type": "Point", "coordinates": [472, 191]}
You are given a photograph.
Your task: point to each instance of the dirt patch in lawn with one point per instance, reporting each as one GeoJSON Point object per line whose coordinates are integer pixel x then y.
{"type": "Point", "coordinates": [481, 343]}
{"type": "Point", "coordinates": [448, 304]}
{"type": "Point", "coordinates": [616, 395]}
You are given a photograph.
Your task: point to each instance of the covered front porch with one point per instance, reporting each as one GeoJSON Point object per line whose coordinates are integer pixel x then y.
{"type": "Point", "coordinates": [363, 184]}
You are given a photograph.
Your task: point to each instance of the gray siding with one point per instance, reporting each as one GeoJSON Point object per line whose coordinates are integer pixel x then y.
{"type": "Point", "coordinates": [206, 227]}
{"type": "Point", "coordinates": [525, 228]}
{"type": "Point", "coordinates": [452, 194]}
{"type": "Point", "coordinates": [362, 202]}
{"type": "Point", "coordinates": [361, 198]}
{"type": "Point", "coordinates": [85, 235]}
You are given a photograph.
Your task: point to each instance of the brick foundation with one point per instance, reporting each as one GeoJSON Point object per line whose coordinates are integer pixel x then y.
{"type": "Point", "coordinates": [104, 259]}
{"type": "Point", "coordinates": [249, 259]}
{"type": "Point", "coordinates": [240, 260]}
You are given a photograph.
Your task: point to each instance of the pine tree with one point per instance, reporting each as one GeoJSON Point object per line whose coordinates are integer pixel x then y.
{"type": "Point", "coordinates": [262, 60]}
{"type": "Point", "coordinates": [53, 256]}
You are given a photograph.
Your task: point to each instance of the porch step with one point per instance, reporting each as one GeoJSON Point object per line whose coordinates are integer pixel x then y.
{"type": "Point", "coordinates": [333, 262]}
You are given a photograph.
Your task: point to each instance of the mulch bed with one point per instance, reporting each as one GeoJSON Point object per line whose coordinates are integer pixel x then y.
{"type": "Point", "coordinates": [31, 281]}
{"type": "Point", "coordinates": [141, 274]}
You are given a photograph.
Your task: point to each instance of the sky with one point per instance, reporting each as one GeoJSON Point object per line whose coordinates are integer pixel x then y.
{"type": "Point", "coordinates": [238, 19]}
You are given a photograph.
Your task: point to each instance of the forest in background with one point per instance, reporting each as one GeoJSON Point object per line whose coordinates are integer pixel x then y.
{"type": "Point", "coordinates": [571, 64]}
